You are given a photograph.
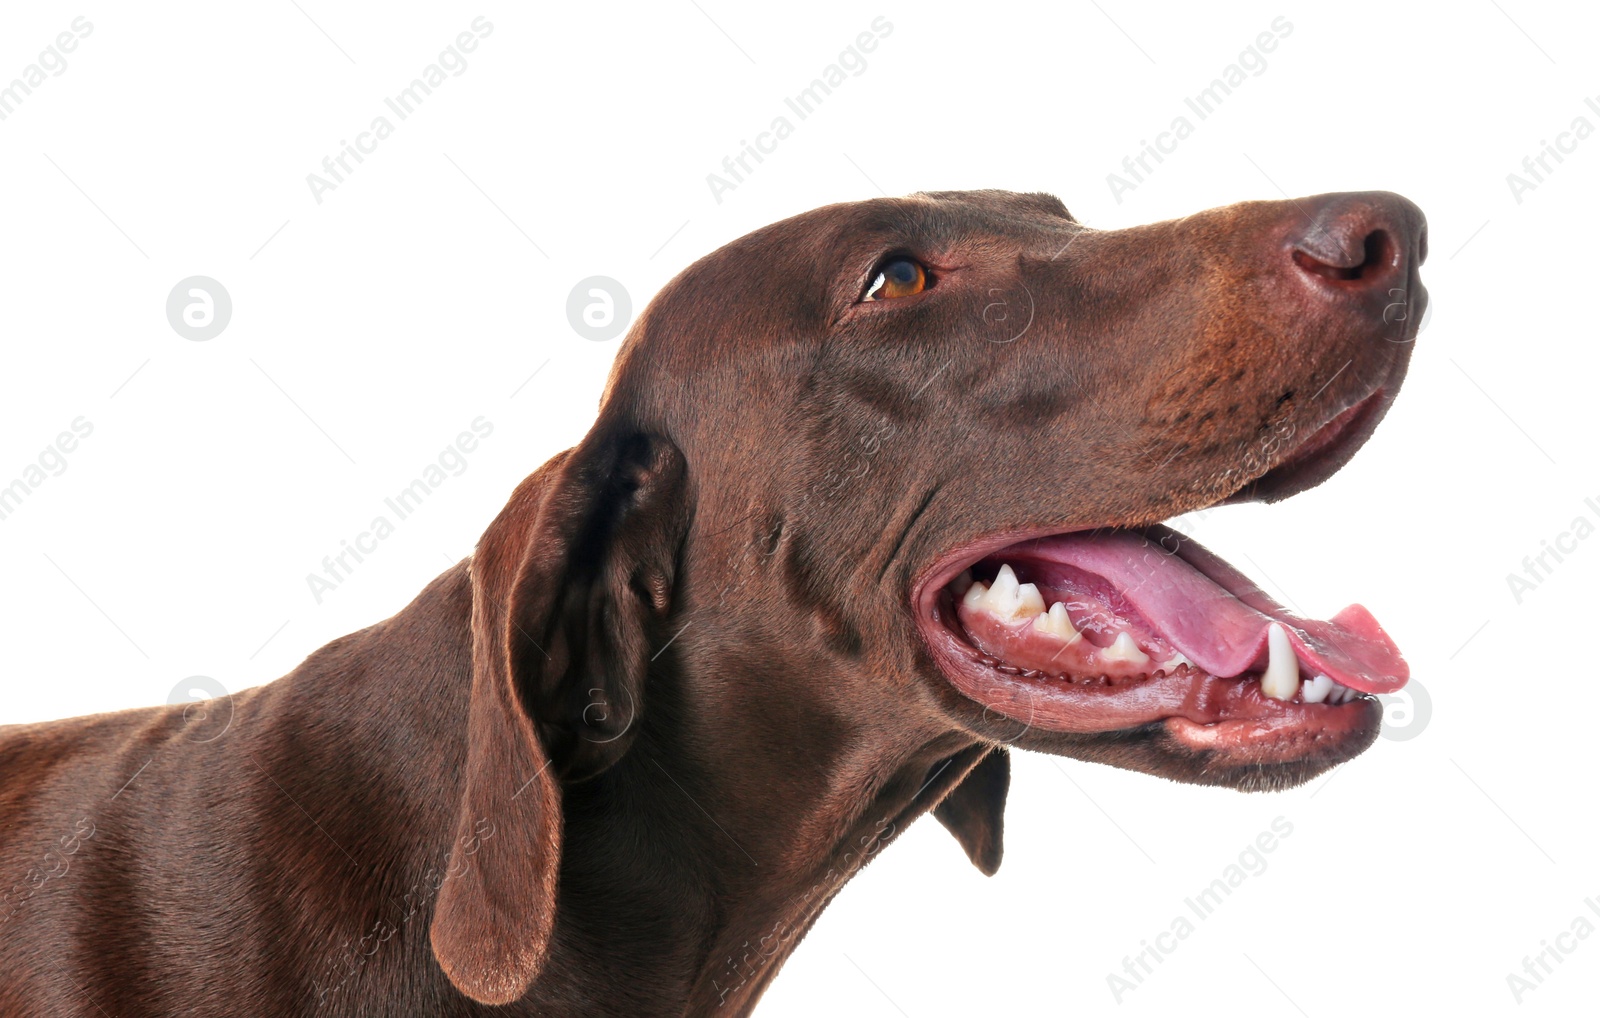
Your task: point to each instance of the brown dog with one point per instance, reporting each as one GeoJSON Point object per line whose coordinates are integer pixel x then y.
{"type": "Point", "coordinates": [871, 495]}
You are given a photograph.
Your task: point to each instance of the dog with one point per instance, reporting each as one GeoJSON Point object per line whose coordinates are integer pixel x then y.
{"type": "Point", "coordinates": [873, 496]}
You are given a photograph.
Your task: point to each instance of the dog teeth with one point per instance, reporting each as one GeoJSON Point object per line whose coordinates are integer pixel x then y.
{"type": "Point", "coordinates": [975, 596]}
{"type": "Point", "coordinates": [1123, 648]}
{"type": "Point", "coordinates": [1008, 600]}
{"type": "Point", "coordinates": [1316, 690]}
{"type": "Point", "coordinates": [1056, 623]}
{"type": "Point", "coordinates": [1342, 694]}
{"type": "Point", "coordinates": [1005, 580]}
{"type": "Point", "coordinates": [1029, 601]}
{"type": "Point", "coordinates": [1005, 598]}
{"type": "Point", "coordinates": [1281, 680]}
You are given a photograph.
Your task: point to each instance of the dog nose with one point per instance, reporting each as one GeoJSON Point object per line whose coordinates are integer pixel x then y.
{"type": "Point", "coordinates": [1359, 241]}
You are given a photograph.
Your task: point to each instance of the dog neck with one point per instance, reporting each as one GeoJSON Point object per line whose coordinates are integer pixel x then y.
{"type": "Point", "coordinates": [716, 862]}
{"type": "Point", "coordinates": [687, 876]}
{"type": "Point", "coordinates": [714, 886]}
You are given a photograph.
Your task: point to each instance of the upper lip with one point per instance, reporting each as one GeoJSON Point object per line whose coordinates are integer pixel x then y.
{"type": "Point", "coordinates": [1296, 469]}
{"type": "Point", "coordinates": [1314, 458]}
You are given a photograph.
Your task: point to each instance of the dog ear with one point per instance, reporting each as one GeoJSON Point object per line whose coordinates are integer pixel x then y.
{"type": "Point", "coordinates": [975, 810]}
{"type": "Point", "coordinates": [569, 584]}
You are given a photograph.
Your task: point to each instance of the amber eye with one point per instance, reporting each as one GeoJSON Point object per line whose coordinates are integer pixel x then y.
{"type": "Point", "coordinates": [898, 277]}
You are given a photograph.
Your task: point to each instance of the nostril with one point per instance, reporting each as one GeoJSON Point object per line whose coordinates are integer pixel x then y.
{"type": "Point", "coordinates": [1378, 251]}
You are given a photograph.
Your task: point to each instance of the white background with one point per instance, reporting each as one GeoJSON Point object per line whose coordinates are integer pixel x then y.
{"type": "Point", "coordinates": [427, 289]}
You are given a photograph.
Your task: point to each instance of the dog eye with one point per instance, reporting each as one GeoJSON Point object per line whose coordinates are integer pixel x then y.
{"type": "Point", "coordinates": [898, 277]}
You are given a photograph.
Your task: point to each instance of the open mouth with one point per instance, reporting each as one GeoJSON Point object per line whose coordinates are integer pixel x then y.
{"type": "Point", "coordinates": [1116, 629]}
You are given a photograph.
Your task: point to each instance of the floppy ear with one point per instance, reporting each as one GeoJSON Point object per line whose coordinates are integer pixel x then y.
{"type": "Point", "coordinates": [569, 585]}
{"type": "Point", "coordinates": [975, 810]}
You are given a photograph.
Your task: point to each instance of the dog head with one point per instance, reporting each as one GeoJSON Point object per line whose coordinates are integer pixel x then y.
{"type": "Point", "coordinates": [892, 474]}
{"type": "Point", "coordinates": [917, 426]}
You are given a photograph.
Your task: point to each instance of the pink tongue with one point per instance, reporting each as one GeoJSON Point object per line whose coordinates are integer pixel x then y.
{"type": "Point", "coordinates": [1218, 617]}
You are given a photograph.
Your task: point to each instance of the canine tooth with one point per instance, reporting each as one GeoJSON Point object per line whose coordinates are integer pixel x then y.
{"type": "Point", "coordinates": [1281, 680]}
{"type": "Point", "coordinates": [1124, 649]}
{"type": "Point", "coordinates": [1056, 623]}
{"type": "Point", "coordinates": [1316, 690]}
